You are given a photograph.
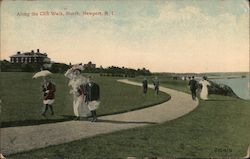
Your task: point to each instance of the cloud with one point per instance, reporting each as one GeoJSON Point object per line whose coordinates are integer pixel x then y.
{"type": "Point", "coordinates": [164, 37]}
{"type": "Point", "coordinates": [170, 13]}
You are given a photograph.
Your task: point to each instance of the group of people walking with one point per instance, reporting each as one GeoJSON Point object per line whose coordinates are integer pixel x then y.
{"type": "Point", "coordinates": [156, 85]}
{"type": "Point", "coordinates": [86, 94]}
{"type": "Point", "coordinates": [194, 85]}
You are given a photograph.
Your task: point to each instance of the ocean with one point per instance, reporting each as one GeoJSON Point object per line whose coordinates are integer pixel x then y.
{"type": "Point", "coordinates": [239, 85]}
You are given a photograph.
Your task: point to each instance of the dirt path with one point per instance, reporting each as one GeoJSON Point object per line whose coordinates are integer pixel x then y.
{"type": "Point", "coordinates": [25, 138]}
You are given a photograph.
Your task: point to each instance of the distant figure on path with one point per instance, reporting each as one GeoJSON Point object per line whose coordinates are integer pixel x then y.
{"type": "Point", "coordinates": [145, 85]}
{"type": "Point", "coordinates": [193, 87]}
{"type": "Point", "coordinates": [48, 89]}
{"type": "Point", "coordinates": [92, 92]}
{"type": "Point", "coordinates": [156, 84]}
{"type": "Point", "coordinates": [204, 90]}
{"type": "Point", "coordinates": [77, 82]}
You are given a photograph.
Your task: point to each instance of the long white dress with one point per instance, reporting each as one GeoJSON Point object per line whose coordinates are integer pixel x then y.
{"type": "Point", "coordinates": [204, 90]}
{"type": "Point", "coordinates": [80, 108]}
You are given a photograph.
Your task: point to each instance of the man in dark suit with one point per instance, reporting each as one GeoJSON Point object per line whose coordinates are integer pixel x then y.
{"type": "Point", "coordinates": [92, 96]}
{"type": "Point", "coordinates": [193, 85]}
{"type": "Point", "coordinates": [145, 85]}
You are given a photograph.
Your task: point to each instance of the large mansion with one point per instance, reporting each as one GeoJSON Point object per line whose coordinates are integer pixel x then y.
{"type": "Point", "coordinates": [30, 57]}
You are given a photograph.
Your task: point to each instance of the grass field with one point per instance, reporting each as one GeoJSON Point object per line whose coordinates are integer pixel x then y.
{"type": "Point", "coordinates": [216, 128]}
{"type": "Point", "coordinates": [22, 98]}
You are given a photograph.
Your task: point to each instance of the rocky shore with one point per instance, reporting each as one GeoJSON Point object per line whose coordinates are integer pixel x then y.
{"type": "Point", "coordinates": [220, 89]}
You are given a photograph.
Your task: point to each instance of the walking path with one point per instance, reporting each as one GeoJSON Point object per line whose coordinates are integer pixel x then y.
{"type": "Point", "coordinates": [25, 138]}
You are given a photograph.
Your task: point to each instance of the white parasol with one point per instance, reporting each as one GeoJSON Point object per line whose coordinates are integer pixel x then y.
{"type": "Point", "coordinates": [78, 67]}
{"type": "Point", "coordinates": [42, 74]}
{"type": "Point", "coordinates": [69, 72]}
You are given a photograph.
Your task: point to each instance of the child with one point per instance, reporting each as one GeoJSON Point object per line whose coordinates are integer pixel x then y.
{"type": "Point", "coordinates": [48, 89]}
{"type": "Point", "coordinates": [92, 92]}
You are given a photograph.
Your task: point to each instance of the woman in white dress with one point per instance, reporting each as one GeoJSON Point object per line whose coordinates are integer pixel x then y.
{"type": "Point", "coordinates": [77, 81]}
{"type": "Point", "coordinates": [204, 90]}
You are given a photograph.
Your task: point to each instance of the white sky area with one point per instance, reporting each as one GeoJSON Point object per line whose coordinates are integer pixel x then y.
{"type": "Point", "coordinates": [163, 36]}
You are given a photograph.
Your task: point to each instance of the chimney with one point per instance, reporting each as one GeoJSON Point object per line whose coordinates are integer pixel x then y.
{"type": "Point", "coordinates": [38, 50]}
{"type": "Point", "coordinates": [32, 51]}
{"type": "Point", "coordinates": [18, 52]}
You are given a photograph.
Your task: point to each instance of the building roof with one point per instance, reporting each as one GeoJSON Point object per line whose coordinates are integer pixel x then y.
{"type": "Point", "coordinates": [30, 54]}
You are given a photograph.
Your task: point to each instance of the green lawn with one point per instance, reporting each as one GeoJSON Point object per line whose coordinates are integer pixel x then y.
{"type": "Point", "coordinates": [216, 128]}
{"type": "Point", "coordinates": [22, 98]}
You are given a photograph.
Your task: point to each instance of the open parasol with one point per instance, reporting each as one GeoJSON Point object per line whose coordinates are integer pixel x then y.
{"type": "Point", "coordinates": [42, 74]}
{"type": "Point", "coordinates": [78, 67]}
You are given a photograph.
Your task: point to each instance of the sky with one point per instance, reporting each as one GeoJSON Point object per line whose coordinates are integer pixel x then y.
{"type": "Point", "coordinates": [163, 36]}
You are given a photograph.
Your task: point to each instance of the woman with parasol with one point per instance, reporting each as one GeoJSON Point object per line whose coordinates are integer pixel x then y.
{"type": "Point", "coordinates": [77, 82]}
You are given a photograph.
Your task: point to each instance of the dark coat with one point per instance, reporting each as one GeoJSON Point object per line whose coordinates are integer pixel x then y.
{"type": "Point", "coordinates": [145, 83]}
{"type": "Point", "coordinates": [193, 84]}
{"type": "Point", "coordinates": [48, 87]}
{"type": "Point", "coordinates": [92, 92]}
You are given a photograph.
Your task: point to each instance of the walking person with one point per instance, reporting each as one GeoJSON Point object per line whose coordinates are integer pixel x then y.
{"type": "Point", "coordinates": [77, 82]}
{"type": "Point", "coordinates": [193, 87]}
{"type": "Point", "coordinates": [92, 93]}
{"type": "Point", "coordinates": [204, 90]}
{"type": "Point", "coordinates": [156, 85]}
{"type": "Point", "coordinates": [48, 89]}
{"type": "Point", "coordinates": [145, 85]}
